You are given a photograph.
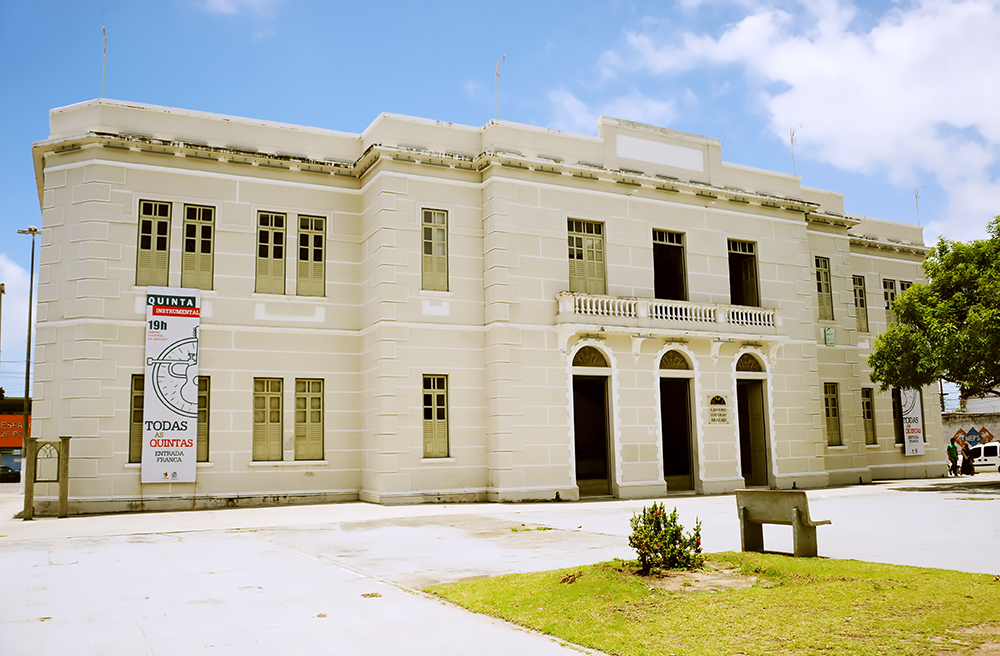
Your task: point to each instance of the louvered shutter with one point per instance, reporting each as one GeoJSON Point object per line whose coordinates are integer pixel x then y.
{"type": "Point", "coordinates": [203, 414]}
{"type": "Point", "coordinates": [434, 256]}
{"type": "Point", "coordinates": [435, 407]}
{"type": "Point", "coordinates": [308, 420]}
{"type": "Point", "coordinates": [135, 425]}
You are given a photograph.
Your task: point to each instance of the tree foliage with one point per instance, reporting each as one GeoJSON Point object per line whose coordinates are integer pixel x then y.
{"type": "Point", "coordinates": [948, 328]}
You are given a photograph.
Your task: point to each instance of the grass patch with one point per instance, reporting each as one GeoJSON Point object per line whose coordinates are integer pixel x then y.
{"type": "Point", "coordinates": [522, 527]}
{"type": "Point", "coordinates": [797, 606]}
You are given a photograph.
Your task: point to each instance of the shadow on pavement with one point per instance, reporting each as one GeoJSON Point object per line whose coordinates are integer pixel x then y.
{"type": "Point", "coordinates": [963, 485]}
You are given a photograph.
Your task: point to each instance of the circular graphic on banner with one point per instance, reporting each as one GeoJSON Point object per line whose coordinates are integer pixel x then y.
{"type": "Point", "coordinates": [908, 400]}
{"type": "Point", "coordinates": [175, 376]}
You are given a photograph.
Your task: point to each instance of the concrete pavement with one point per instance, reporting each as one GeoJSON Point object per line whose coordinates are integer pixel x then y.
{"type": "Point", "coordinates": [341, 579]}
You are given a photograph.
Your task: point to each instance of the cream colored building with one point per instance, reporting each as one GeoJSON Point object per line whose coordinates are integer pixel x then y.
{"type": "Point", "coordinates": [435, 312]}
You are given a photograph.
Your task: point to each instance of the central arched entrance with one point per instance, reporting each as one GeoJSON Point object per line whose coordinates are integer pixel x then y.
{"type": "Point", "coordinates": [590, 422]}
{"type": "Point", "coordinates": [750, 407]}
{"type": "Point", "coordinates": [676, 379]}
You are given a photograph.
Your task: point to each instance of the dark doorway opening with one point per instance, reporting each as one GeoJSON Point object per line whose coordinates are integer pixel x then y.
{"type": "Point", "coordinates": [743, 279]}
{"type": "Point", "coordinates": [753, 433]}
{"type": "Point", "coordinates": [668, 272]}
{"type": "Point", "coordinates": [590, 421]}
{"type": "Point", "coordinates": [675, 418]}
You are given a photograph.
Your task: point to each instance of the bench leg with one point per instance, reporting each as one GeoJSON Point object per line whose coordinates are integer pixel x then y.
{"type": "Point", "coordinates": [751, 533]}
{"type": "Point", "coordinates": [803, 537]}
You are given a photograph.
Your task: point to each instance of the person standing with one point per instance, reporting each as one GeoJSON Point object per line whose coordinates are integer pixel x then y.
{"type": "Point", "coordinates": [967, 467]}
{"type": "Point", "coordinates": [952, 457]}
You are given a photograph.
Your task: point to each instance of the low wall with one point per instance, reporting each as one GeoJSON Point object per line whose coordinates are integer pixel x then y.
{"type": "Point", "coordinates": [975, 427]}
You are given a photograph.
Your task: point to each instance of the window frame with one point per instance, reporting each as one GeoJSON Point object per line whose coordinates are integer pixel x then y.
{"type": "Point", "coordinates": [746, 251]}
{"type": "Point", "coordinates": [267, 282]}
{"type": "Point", "coordinates": [156, 270]}
{"type": "Point", "coordinates": [861, 303]}
{"type": "Point", "coordinates": [195, 271]}
{"type": "Point", "coordinates": [436, 434]}
{"type": "Point", "coordinates": [137, 385]}
{"type": "Point", "coordinates": [889, 295]}
{"type": "Point", "coordinates": [270, 436]}
{"type": "Point", "coordinates": [434, 269]}
{"type": "Point", "coordinates": [666, 241]}
{"type": "Point", "coordinates": [824, 288]}
{"type": "Point", "coordinates": [312, 401]}
{"type": "Point", "coordinates": [587, 257]}
{"type": "Point", "coordinates": [310, 274]}
{"type": "Point", "coordinates": [868, 415]}
{"type": "Point", "coordinates": [831, 410]}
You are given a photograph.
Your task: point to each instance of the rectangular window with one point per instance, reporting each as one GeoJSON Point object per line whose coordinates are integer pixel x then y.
{"type": "Point", "coordinates": [136, 409]}
{"type": "Point", "coordinates": [860, 303]}
{"type": "Point", "coordinates": [668, 266]}
{"type": "Point", "coordinates": [889, 293]}
{"type": "Point", "coordinates": [435, 416]}
{"type": "Point", "coordinates": [196, 260]}
{"type": "Point", "coordinates": [586, 257]}
{"type": "Point", "coordinates": [270, 253]}
{"type": "Point", "coordinates": [267, 427]}
{"type": "Point", "coordinates": [135, 414]}
{"type": "Point", "coordinates": [312, 242]}
{"type": "Point", "coordinates": [868, 414]}
{"type": "Point", "coordinates": [434, 260]}
{"type": "Point", "coordinates": [897, 415]}
{"type": "Point", "coordinates": [153, 253]}
{"type": "Point", "coordinates": [308, 419]}
{"type": "Point", "coordinates": [204, 385]}
{"type": "Point", "coordinates": [743, 284]}
{"type": "Point", "coordinates": [824, 290]}
{"type": "Point", "coordinates": [831, 405]}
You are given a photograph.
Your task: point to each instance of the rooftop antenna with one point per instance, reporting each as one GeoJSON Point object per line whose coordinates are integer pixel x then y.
{"type": "Point", "coordinates": [104, 74]}
{"type": "Point", "coordinates": [791, 140]}
{"type": "Point", "coordinates": [916, 200]}
{"type": "Point", "coordinates": [496, 87]}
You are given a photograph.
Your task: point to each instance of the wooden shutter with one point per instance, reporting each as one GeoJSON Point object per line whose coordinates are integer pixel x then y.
{"type": "Point", "coordinates": [832, 408]}
{"type": "Point", "coordinates": [434, 257]}
{"type": "Point", "coordinates": [270, 253]}
{"type": "Point", "coordinates": [749, 270]}
{"type": "Point", "coordinates": [860, 303]}
{"type": "Point", "coordinates": [308, 419]}
{"type": "Point", "coordinates": [435, 406]}
{"type": "Point", "coordinates": [311, 278]}
{"type": "Point", "coordinates": [586, 257]}
{"type": "Point", "coordinates": [203, 415]}
{"type": "Point", "coordinates": [152, 262]}
{"type": "Point", "coordinates": [868, 413]}
{"type": "Point", "coordinates": [824, 291]}
{"type": "Point", "coordinates": [135, 415]}
{"type": "Point", "coordinates": [198, 249]}
{"type": "Point", "coordinates": [267, 426]}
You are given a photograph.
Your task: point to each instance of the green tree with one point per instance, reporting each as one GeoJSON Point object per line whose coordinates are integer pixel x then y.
{"type": "Point", "coordinates": [948, 328]}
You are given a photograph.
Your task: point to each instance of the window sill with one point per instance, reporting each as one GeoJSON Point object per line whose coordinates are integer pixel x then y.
{"type": "Point", "coordinates": [436, 293]}
{"type": "Point", "coordinates": [288, 463]}
{"type": "Point", "coordinates": [436, 461]}
{"type": "Point", "coordinates": [839, 447]}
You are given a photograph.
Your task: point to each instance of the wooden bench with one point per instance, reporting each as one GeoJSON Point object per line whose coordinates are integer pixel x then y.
{"type": "Point", "coordinates": [789, 507]}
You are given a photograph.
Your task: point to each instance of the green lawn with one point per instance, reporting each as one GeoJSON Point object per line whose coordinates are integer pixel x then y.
{"type": "Point", "coordinates": [797, 606]}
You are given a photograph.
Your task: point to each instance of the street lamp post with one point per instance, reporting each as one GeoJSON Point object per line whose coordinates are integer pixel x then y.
{"type": "Point", "coordinates": [28, 441]}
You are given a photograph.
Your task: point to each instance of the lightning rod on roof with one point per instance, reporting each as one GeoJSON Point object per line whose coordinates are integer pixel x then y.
{"type": "Point", "coordinates": [916, 200]}
{"type": "Point", "coordinates": [791, 141]}
{"type": "Point", "coordinates": [496, 87]}
{"type": "Point", "coordinates": [104, 73]}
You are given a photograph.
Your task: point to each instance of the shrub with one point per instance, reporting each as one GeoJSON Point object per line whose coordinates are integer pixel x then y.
{"type": "Point", "coordinates": [659, 540]}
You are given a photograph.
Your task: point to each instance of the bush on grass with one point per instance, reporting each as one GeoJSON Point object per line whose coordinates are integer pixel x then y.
{"type": "Point", "coordinates": [659, 540]}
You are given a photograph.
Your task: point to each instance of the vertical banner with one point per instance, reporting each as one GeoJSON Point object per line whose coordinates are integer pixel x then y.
{"type": "Point", "coordinates": [170, 396]}
{"type": "Point", "coordinates": [913, 422]}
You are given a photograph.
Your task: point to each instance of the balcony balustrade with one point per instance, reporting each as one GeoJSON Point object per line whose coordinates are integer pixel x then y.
{"type": "Point", "coordinates": [657, 313]}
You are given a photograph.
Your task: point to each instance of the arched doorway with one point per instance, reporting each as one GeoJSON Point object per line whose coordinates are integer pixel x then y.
{"type": "Point", "coordinates": [591, 373]}
{"type": "Point", "coordinates": [676, 379]}
{"type": "Point", "coordinates": [750, 407]}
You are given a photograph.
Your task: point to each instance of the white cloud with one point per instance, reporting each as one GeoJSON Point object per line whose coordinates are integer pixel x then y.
{"type": "Point", "coordinates": [259, 8]}
{"type": "Point", "coordinates": [472, 88]}
{"type": "Point", "coordinates": [571, 113]}
{"type": "Point", "coordinates": [914, 94]}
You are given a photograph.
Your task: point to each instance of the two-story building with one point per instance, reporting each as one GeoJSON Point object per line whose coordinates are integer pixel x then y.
{"type": "Point", "coordinates": [434, 312]}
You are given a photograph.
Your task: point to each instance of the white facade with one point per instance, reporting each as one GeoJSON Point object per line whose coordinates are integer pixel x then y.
{"type": "Point", "coordinates": [438, 256]}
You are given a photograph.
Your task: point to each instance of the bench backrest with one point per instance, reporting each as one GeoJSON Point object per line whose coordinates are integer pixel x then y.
{"type": "Point", "coordinates": [773, 506]}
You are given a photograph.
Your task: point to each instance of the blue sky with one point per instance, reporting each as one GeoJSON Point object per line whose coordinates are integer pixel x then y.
{"type": "Point", "coordinates": [890, 96]}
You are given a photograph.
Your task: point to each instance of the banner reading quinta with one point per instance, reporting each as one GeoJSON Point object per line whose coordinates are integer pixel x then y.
{"type": "Point", "coordinates": [170, 400]}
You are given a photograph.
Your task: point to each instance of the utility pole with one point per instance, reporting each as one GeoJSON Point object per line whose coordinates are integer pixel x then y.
{"type": "Point", "coordinates": [791, 141]}
{"type": "Point", "coordinates": [28, 441]}
{"type": "Point", "coordinates": [916, 200]}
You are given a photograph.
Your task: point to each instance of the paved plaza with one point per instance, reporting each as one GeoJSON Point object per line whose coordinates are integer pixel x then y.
{"type": "Point", "coordinates": [345, 578]}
